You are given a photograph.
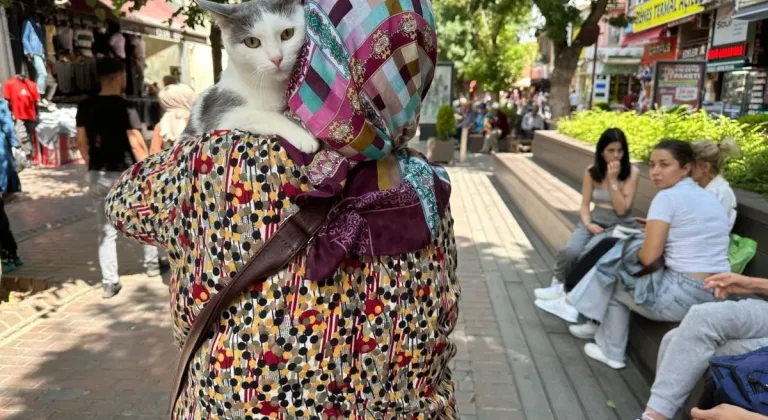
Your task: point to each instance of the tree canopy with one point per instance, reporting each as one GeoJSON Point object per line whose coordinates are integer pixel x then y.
{"type": "Point", "coordinates": [482, 38]}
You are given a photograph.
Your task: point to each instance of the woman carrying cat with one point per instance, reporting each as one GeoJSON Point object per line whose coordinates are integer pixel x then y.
{"type": "Point", "coordinates": [176, 101]}
{"type": "Point", "coordinates": [357, 324]}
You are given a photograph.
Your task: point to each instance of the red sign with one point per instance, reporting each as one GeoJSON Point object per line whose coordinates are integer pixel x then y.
{"type": "Point", "coordinates": [730, 51]}
{"type": "Point", "coordinates": [664, 49]}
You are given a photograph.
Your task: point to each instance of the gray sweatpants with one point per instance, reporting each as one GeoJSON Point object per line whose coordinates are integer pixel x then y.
{"type": "Point", "coordinates": [582, 240]}
{"type": "Point", "coordinates": [100, 183]}
{"type": "Point", "coordinates": [612, 305]}
{"type": "Point", "coordinates": [710, 329]}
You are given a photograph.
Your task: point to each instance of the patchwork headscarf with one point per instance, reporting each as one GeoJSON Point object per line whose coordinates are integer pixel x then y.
{"type": "Point", "coordinates": [358, 87]}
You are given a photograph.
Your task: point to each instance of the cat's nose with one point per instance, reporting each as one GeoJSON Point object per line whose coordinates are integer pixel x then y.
{"type": "Point", "coordinates": [277, 61]}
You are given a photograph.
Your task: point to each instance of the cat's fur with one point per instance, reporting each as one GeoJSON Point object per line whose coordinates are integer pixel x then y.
{"type": "Point", "coordinates": [250, 94]}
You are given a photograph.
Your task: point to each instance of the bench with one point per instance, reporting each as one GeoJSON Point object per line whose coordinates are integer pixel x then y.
{"type": "Point", "coordinates": [551, 206]}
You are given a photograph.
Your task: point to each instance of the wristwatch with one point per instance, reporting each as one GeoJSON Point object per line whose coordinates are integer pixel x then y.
{"type": "Point", "coordinates": [614, 186]}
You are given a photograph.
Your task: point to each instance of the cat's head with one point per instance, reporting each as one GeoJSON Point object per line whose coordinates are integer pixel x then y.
{"type": "Point", "coordinates": [262, 37]}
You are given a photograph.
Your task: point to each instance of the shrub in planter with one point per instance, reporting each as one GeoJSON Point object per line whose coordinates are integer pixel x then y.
{"type": "Point", "coordinates": [759, 120]}
{"type": "Point", "coordinates": [750, 171]}
{"type": "Point", "coordinates": [440, 149]}
{"type": "Point", "coordinates": [603, 106]}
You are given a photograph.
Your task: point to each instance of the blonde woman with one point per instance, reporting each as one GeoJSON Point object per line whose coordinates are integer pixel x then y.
{"type": "Point", "coordinates": [176, 101]}
{"type": "Point", "coordinates": [709, 160]}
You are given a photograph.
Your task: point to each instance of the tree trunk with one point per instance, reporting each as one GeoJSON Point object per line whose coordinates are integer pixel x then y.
{"type": "Point", "coordinates": [216, 45]}
{"type": "Point", "coordinates": [566, 61]}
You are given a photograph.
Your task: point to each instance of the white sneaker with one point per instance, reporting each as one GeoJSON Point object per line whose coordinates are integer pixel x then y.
{"type": "Point", "coordinates": [586, 330]}
{"type": "Point", "coordinates": [553, 292]}
{"type": "Point", "coordinates": [559, 308]}
{"type": "Point", "coordinates": [593, 351]}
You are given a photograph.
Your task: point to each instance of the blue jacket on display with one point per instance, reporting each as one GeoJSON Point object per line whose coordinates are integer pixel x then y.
{"type": "Point", "coordinates": [32, 38]}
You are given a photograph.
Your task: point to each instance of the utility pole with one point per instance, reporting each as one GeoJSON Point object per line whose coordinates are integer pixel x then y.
{"type": "Point", "coordinates": [594, 71]}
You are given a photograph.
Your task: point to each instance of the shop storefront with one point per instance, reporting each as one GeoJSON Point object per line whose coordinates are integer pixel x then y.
{"type": "Point", "coordinates": [664, 49]}
{"type": "Point", "coordinates": [616, 74]}
{"type": "Point", "coordinates": [736, 65]}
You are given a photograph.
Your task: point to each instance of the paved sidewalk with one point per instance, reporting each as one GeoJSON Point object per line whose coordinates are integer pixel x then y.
{"type": "Point", "coordinates": [112, 359]}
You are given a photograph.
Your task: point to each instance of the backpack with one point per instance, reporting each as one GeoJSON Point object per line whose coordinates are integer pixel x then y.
{"type": "Point", "coordinates": [742, 380]}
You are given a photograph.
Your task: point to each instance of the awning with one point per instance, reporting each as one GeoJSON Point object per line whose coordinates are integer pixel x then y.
{"type": "Point", "coordinates": [753, 13]}
{"type": "Point", "coordinates": [642, 38]}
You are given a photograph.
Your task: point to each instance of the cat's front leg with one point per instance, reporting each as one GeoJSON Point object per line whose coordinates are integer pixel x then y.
{"type": "Point", "coordinates": [295, 134]}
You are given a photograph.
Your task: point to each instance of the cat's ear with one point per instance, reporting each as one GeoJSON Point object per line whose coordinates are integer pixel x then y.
{"type": "Point", "coordinates": [220, 12]}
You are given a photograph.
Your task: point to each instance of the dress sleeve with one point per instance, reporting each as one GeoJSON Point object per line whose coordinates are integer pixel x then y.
{"type": "Point", "coordinates": [143, 203]}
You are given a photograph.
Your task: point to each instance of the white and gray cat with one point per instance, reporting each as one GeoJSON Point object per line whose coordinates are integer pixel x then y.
{"type": "Point", "coordinates": [263, 40]}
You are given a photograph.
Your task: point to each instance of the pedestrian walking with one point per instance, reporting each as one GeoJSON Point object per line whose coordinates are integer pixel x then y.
{"type": "Point", "coordinates": [110, 140]}
{"type": "Point", "coordinates": [9, 184]}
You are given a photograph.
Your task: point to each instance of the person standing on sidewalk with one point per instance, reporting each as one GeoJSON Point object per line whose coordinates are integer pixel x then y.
{"type": "Point", "coordinates": [110, 140]}
{"type": "Point", "coordinates": [9, 184]}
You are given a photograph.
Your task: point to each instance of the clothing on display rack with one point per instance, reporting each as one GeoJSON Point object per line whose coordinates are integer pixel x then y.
{"type": "Point", "coordinates": [22, 93]}
{"type": "Point", "coordinates": [32, 40]}
{"type": "Point", "coordinates": [84, 41]}
{"type": "Point", "coordinates": [117, 44]}
{"type": "Point", "coordinates": [65, 36]}
{"type": "Point", "coordinates": [139, 51]}
{"type": "Point", "coordinates": [50, 34]}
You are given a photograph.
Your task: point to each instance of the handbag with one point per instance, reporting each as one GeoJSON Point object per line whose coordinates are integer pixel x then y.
{"type": "Point", "coordinates": [292, 236]}
{"type": "Point", "coordinates": [742, 380]}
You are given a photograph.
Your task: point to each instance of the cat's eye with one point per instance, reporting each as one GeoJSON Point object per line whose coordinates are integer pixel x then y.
{"type": "Point", "coordinates": [252, 42]}
{"type": "Point", "coordinates": [287, 34]}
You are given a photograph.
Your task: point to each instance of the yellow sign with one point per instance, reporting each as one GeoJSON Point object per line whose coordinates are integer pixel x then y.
{"type": "Point", "coordinates": [658, 12]}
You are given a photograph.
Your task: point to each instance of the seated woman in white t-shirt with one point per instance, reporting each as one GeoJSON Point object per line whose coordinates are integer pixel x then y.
{"type": "Point", "coordinates": [689, 227]}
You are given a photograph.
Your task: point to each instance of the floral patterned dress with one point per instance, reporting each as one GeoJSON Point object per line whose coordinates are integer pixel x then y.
{"type": "Point", "coordinates": [370, 342]}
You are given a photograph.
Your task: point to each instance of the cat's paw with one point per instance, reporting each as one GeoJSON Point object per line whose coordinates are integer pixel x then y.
{"type": "Point", "coordinates": [304, 142]}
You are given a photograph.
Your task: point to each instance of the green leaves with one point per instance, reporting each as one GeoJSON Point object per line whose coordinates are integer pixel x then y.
{"type": "Point", "coordinates": [446, 122]}
{"type": "Point", "coordinates": [749, 171]}
{"type": "Point", "coordinates": [482, 38]}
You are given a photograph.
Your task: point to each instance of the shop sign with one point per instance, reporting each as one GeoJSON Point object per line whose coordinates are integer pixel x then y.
{"type": "Point", "coordinates": [729, 51]}
{"type": "Point", "coordinates": [665, 49]}
{"type": "Point", "coordinates": [658, 12]}
{"type": "Point", "coordinates": [725, 66]}
{"type": "Point", "coordinates": [728, 30]}
{"type": "Point", "coordinates": [678, 83]}
{"type": "Point", "coordinates": [696, 52]}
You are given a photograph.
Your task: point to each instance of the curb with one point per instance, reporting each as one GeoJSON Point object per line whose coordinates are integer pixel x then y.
{"type": "Point", "coordinates": [16, 316]}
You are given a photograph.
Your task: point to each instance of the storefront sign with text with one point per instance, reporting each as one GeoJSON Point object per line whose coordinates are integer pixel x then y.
{"type": "Point", "coordinates": [696, 52]}
{"type": "Point", "coordinates": [727, 29]}
{"type": "Point", "coordinates": [658, 12]}
{"type": "Point", "coordinates": [730, 51]}
{"type": "Point", "coordinates": [665, 49]}
{"type": "Point", "coordinates": [678, 83]}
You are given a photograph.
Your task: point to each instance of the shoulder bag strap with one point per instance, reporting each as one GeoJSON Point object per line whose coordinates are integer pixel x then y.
{"type": "Point", "coordinates": [292, 236]}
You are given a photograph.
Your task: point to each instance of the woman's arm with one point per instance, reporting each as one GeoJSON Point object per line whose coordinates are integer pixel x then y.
{"type": "Point", "coordinates": [143, 203]}
{"type": "Point", "coordinates": [656, 232]}
{"type": "Point", "coordinates": [585, 212]}
{"type": "Point", "coordinates": [156, 145]}
{"type": "Point", "coordinates": [622, 198]}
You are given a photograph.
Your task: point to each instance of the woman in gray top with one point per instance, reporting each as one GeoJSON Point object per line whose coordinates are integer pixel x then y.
{"type": "Point", "coordinates": [610, 183]}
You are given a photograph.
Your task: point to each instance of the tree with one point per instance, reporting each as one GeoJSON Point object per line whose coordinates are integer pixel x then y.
{"type": "Point", "coordinates": [559, 15]}
{"type": "Point", "coordinates": [481, 38]}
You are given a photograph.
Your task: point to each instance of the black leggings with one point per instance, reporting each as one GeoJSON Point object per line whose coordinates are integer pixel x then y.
{"type": "Point", "coordinates": [582, 267]}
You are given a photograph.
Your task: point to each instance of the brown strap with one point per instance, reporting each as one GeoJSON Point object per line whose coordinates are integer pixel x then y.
{"type": "Point", "coordinates": [292, 236]}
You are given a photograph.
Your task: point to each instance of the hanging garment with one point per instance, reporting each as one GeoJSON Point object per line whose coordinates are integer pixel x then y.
{"type": "Point", "coordinates": [22, 93]}
{"type": "Point", "coordinates": [65, 36]}
{"type": "Point", "coordinates": [84, 42]}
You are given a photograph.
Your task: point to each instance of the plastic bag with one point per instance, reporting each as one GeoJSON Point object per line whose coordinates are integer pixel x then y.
{"type": "Point", "coordinates": [20, 160]}
{"type": "Point", "coordinates": [740, 252]}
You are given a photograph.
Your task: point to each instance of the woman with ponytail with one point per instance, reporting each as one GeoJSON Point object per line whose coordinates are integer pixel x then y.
{"type": "Point", "coordinates": [709, 160]}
